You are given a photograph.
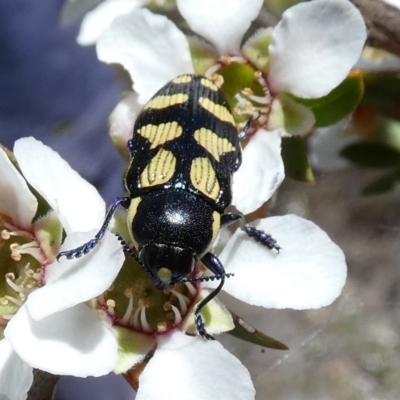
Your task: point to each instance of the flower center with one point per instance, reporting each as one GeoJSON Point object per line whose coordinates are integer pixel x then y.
{"type": "Point", "coordinates": [245, 88]}
{"type": "Point", "coordinates": [20, 267]}
{"type": "Point", "coordinates": [134, 302]}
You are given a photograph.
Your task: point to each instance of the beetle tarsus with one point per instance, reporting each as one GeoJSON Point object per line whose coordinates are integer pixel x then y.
{"type": "Point", "coordinates": [200, 327]}
{"type": "Point", "coordinates": [263, 238]}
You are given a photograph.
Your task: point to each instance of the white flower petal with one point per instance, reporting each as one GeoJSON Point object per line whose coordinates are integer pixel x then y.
{"type": "Point", "coordinates": [70, 282]}
{"type": "Point", "coordinates": [261, 172]}
{"type": "Point", "coordinates": [16, 200]}
{"type": "Point", "coordinates": [314, 47]}
{"type": "Point", "coordinates": [77, 203]}
{"type": "Point", "coordinates": [150, 47]}
{"type": "Point", "coordinates": [185, 367]}
{"type": "Point", "coordinates": [123, 117]}
{"type": "Point", "coordinates": [309, 271]}
{"type": "Point", "coordinates": [99, 19]}
{"type": "Point", "coordinates": [16, 376]}
{"type": "Point", "coordinates": [325, 145]}
{"type": "Point", "coordinates": [72, 342]}
{"type": "Point", "coordinates": [222, 22]}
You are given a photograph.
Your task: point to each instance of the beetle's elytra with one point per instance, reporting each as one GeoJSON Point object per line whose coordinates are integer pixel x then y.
{"type": "Point", "coordinates": [184, 151]}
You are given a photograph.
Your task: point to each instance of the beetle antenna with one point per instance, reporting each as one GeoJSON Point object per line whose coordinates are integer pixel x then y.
{"type": "Point", "coordinates": [207, 278]}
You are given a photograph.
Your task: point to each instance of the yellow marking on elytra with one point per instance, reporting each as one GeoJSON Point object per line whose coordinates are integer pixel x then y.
{"type": "Point", "coordinates": [132, 210]}
{"type": "Point", "coordinates": [182, 79]}
{"type": "Point", "coordinates": [160, 134]}
{"type": "Point", "coordinates": [217, 110]}
{"type": "Point", "coordinates": [165, 101]}
{"type": "Point", "coordinates": [212, 143]}
{"type": "Point", "coordinates": [209, 84]}
{"type": "Point", "coordinates": [204, 178]}
{"type": "Point", "coordinates": [216, 225]}
{"type": "Point", "coordinates": [160, 169]}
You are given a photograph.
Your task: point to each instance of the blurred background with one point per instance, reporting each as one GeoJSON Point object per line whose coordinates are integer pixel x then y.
{"type": "Point", "coordinates": [57, 91]}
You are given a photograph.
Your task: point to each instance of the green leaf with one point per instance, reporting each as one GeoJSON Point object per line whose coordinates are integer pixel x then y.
{"type": "Point", "coordinates": [249, 334]}
{"type": "Point", "coordinates": [369, 154]}
{"type": "Point", "coordinates": [295, 159]}
{"type": "Point", "coordinates": [339, 103]}
{"type": "Point", "coordinates": [384, 184]}
{"type": "Point", "coordinates": [382, 92]}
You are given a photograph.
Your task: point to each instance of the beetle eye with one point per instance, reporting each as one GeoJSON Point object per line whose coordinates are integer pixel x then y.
{"type": "Point", "coordinates": [184, 263]}
{"type": "Point", "coordinates": [148, 256]}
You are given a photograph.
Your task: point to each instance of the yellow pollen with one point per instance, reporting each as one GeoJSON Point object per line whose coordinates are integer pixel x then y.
{"type": "Point", "coordinates": [129, 293]}
{"type": "Point", "coordinates": [161, 326]}
{"type": "Point", "coordinates": [167, 306]}
{"type": "Point", "coordinates": [4, 301]}
{"type": "Point", "coordinates": [10, 276]}
{"type": "Point", "coordinates": [110, 303]}
{"type": "Point", "coordinates": [16, 256]}
{"type": "Point", "coordinates": [111, 288]}
{"type": "Point", "coordinates": [144, 303]}
{"type": "Point", "coordinates": [247, 92]}
{"type": "Point", "coordinates": [30, 273]}
{"type": "Point", "coordinates": [5, 234]}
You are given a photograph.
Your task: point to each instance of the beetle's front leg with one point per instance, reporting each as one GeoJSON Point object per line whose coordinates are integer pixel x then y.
{"type": "Point", "coordinates": [88, 246]}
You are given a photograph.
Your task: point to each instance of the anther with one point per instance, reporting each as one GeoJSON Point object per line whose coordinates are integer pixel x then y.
{"type": "Point", "coordinates": [162, 327]}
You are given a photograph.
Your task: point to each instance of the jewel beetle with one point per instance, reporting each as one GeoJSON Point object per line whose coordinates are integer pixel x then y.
{"type": "Point", "coordinates": [183, 154]}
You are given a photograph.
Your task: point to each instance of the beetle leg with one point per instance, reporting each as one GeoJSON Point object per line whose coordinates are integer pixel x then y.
{"type": "Point", "coordinates": [216, 267]}
{"type": "Point", "coordinates": [85, 248]}
{"type": "Point", "coordinates": [258, 235]}
{"type": "Point", "coordinates": [243, 134]}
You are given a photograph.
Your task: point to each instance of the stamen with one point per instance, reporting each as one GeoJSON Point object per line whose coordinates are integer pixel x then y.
{"type": "Point", "coordinates": [111, 307]}
{"type": "Point", "coordinates": [191, 289]}
{"type": "Point", "coordinates": [211, 72]}
{"type": "Point", "coordinates": [10, 275]}
{"type": "Point", "coordinates": [31, 248]}
{"type": "Point", "coordinates": [183, 301]}
{"type": "Point", "coordinates": [178, 316]}
{"type": "Point", "coordinates": [14, 300]}
{"type": "Point", "coordinates": [145, 325]}
{"type": "Point", "coordinates": [4, 301]}
{"type": "Point", "coordinates": [14, 286]}
{"type": "Point", "coordinates": [128, 312]}
{"type": "Point", "coordinates": [11, 230]}
{"type": "Point", "coordinates": [135, 319]}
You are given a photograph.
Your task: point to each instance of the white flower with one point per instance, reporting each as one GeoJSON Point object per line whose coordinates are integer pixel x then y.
{"type": "Point", "coordinates": [96, 21]}
{"type": "Point", "coordinates": [309, 272]}
{"type": "Point", "coordinates": [185, 367]}
{"type": "Point", "coordinates": [70, 337]}
{"type": "Point", "coordinates": [307, 54]}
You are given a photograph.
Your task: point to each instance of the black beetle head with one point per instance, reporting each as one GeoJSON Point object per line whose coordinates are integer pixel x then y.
{"type": "Point", "coordinates": [166, 264]}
